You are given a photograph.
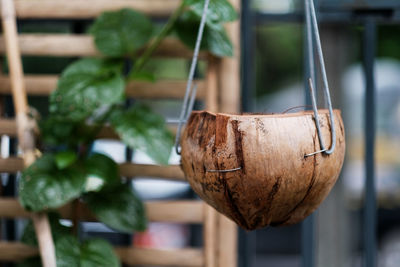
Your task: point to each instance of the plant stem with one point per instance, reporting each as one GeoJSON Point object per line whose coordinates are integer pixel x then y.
{"type": "Point", "coordinates": [157, 41]}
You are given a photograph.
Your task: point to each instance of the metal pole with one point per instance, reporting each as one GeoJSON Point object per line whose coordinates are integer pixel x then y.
{"type": "Point", "coordinates": [248, 88]}
{"type": "Point", "coordinates": [247, 240]}
{"type": "Point", "coordinates": [308, 242]}
{"type": "Point", "coordinates": [370, 129]}
{"type": "Point", "coordinates": [247, 248]}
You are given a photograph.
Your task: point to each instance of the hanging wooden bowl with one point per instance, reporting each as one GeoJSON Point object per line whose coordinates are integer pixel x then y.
{"type": "Point", "coordinates": [276, 183]}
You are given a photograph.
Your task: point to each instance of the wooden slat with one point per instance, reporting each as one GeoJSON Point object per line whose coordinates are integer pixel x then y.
{"type": "Point", "coordinates": [210, 236]}
{"type": "Point", "coordinates": [229, 88]}
{"type": "Point", "coordinates": [13, 251]}
{"type": "Point", "coordinates": [11, 165]}
{"type": "Point", "coordinates": [171, 172]}
{"type": "Point", "coordinates": [187, 257]}
{"type": "Point", "coordinates": [211, 95]}
{"type": "Point", "coordinates": [36, 85]}
{"type": "Point", "coordinates": [227, 235]}
{"type": "Point", "coordinates": [108, 132]}
{"type": "Point", "coordinates": [157, 211]}
{"type": "Point", "coordinates": [74, 45]}
{"type": "Point", "coordinates": [78, 9]}
{"type": "Point", "coordinates": [229, 73]}
{"type": "Point", "coordinates": [10, 208]}
{"type": "Point", "coordinates": [61, 45]}
{"type": "Point", "coordinates": [8, 127]}
{"type": "Point", "coordinates": [210, 214]}
{"type": "Point", "coordinates": [175, 211]}
{"type": "Point", "coordinates": [163, 89]}
{"type": "Point", "coordinates": [25, 127]}
{"type": "Point", "coordinates": [43, 85]}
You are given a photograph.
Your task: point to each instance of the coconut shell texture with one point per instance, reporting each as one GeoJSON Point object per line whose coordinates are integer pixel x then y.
{"type": "Point", "coordinates": [277, 184]}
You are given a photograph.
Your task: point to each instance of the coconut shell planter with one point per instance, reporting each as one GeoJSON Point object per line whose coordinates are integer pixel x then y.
{"type": "Point", "coordinates": [253, 168]}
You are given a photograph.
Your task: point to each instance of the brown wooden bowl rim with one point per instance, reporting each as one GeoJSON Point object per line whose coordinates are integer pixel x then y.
{"type": "Point", "coordinates": [273, 115]}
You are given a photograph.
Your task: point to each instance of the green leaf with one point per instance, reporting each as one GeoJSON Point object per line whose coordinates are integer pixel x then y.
{"type": "Point", "coordinates": [215, 38]}
{"type": "Point", "coordinates": [218, 10]}
{"type": "Point", "coordinates": [100, 170]}
{"type": "Point", "coordinates": [85, 86]}
{"type": "Point", "coordinates": [65, 159]}
{"type": "Point", "coordinates": [98, 253]}
{"type": "Point", "coordinates": [68, 251]}
{"type": "Point", "coordinates": [92, 253]}
{"type": "Point", "coordinates": [118, 33]}
{"type": "Point", "coordinates": [142, 129]}
{"type": "Point", "coordinates": [119, 208]}
{"type": "Point", "coordinates": [143, 76]}
{"type": "Point", "coordinates": [57, 229]}
{"type": "Point", "coordinates": [218, 42]}
{"type": "Point", "coordinates": [56, 131]}
{"type": "Point", "coordinates": [29, 235]}
{"type": "Point", "coordinates": [43, 186]}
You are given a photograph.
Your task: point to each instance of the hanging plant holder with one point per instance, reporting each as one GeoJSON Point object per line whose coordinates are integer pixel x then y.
{"type": "Point", "coordinates": [255, 168]}
{"type": "Point", "coordinates": [262, 170]}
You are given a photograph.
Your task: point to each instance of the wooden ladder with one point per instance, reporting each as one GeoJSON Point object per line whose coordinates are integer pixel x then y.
{"type": "Point", "coordinates": [221, 79]}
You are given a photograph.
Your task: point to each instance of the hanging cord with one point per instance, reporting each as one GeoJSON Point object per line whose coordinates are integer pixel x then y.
{"type": "Point", "coordinates": [296, 107]}
{"type": "Point", "coordinates": [190, 94]}
{"type": "Point", "coordinates": [312, 25]}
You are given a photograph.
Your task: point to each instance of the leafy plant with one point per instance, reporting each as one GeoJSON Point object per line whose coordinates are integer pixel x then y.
{"type": "Point", "coordinates": [90, 95]}
{"type": "Point", "coordinates": [70, 252]}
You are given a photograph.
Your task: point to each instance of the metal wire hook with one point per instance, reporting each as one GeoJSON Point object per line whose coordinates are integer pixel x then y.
{"type": "Point", "coordinates": [187, 108]}
{"type": "Point", "coordinates": [191, 102]}
{"type": "Point", "coordinates": [296, 107]}
{"type": "Point", "coordinates": [184, 110]}
{"type": "Point", "coordinates": [312, 25]}
{"type": "Point", "coordinates": [224, 171]}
